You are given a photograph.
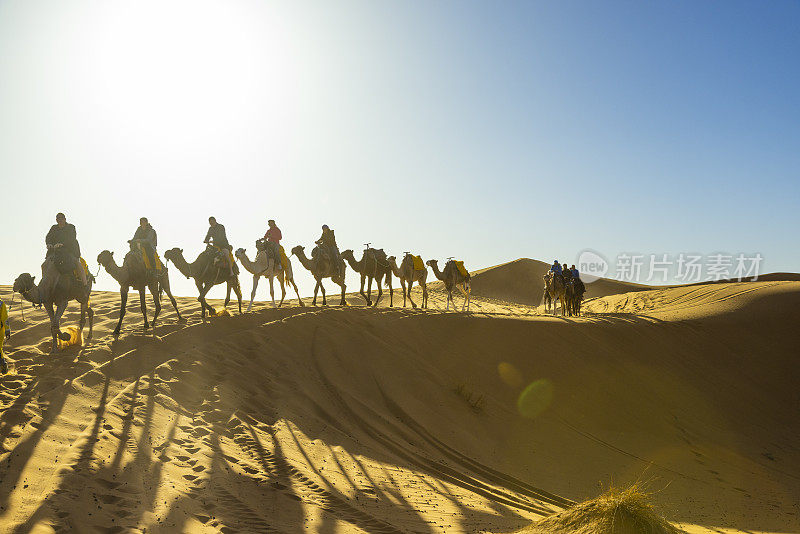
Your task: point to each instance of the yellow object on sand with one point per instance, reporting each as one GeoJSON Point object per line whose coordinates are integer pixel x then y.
{"type": "Point", "coordinates": [75, 337]}
{"type": "Point", "coordinates": [462, 269]}
{"type": "Point", "coordinates": [222, 313]}
{"type": "Point", "coordinates": [419, 265]}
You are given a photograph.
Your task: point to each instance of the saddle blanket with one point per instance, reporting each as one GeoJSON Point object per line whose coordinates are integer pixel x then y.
{"type": "Point", "coordinates": [284, 259]}
{"type": "Point", "coordinates": [146, 259]}
{"type": "Point", "coordinates": [462, 269]}
{"type": "Point", "coordinates": [419, 265]}
{"type": "Point", "coordinates": [85, 269]}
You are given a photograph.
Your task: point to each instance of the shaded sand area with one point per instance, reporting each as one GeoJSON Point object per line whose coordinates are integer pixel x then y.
{"type": "Point", "coordinates": [392, 420]}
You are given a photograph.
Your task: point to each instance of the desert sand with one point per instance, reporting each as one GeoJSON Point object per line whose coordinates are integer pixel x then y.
{"type": "Point", "coordinates": [398, 420]}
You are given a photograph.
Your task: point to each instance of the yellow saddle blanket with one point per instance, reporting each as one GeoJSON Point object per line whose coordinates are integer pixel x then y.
{"type": "Point", "coordinates": [146, 259]}
{"type": "Point", "coordinates": [419, 265]}
{"type": "Point", "coordinates": [85, 269]}
{"type": "Point", "coordinates": [462, 269]}
{"type": "Point", "coordinates": [284, 259]}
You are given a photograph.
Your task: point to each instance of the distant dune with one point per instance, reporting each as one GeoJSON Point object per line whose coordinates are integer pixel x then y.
{"type": "Point", "coordinates": [398, 420]}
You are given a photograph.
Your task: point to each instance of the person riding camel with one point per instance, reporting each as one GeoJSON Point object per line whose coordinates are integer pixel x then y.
{"type": "Point", "coordinates": [273, 239]}
{"type": "Point", "coordinates": [216, 236]}
{"type": "Point", "coordinates": [146, 238]}
{"type": "Point", "coordinates": [5, 333]}
{"type": "Point", "coordinates": [577, 277]}
{"type": "Point", "coordinates": [328, 242]}
{"type": "Point", "coordinates": [63, 239]}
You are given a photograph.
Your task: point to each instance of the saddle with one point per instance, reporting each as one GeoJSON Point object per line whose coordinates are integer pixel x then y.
{"type": "Point", "coordinates": [220, 256]}
{"type": "Point", "coordinates": [419, 265]}
{"type": "Point", "coordinates": [460, 267]}
{"type": "Point", "coordinates": [139, 251]}
{"type": "Point", "coordinates": [273, 251]}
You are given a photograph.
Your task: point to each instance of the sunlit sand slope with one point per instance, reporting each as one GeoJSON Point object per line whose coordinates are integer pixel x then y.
{"type": "Point", "coordinates": [387, 420]}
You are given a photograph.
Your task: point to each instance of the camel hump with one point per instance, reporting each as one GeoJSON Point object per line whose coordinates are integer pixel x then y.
{"type": "Point", "coordinates": [462, 269]}
{"type": "Point", "coordinates": [419, 265]}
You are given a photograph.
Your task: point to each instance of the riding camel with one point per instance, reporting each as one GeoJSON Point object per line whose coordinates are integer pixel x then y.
{"type": "Point", "coordinates": [554, 292]}
{"type": "Point", "coordinates": [54, 292]}
{"type": "Point", "coordinates": [206, 275]}
{"type": "Point", "coordinates": [408, 275]}
{"type": "Point", "coordinates": [574, 296]}
{"type": "Point", "coordinates": [133, 274]}
{"type": "Point", "coordinates": [453, 278]}
{"type": "Point", "coordinates": [373, 265]}
{"type": "Point", "coordinates": [322, 266]}
{"type": "Point", "coordinates": [269, 269]}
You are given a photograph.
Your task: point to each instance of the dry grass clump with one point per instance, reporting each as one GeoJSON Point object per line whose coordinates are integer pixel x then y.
{"type": "Point", "coordinates": [617, 511]}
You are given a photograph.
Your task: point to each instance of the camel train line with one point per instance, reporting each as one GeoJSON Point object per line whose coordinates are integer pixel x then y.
{"type": "Point", "coordinates": [66, 277]}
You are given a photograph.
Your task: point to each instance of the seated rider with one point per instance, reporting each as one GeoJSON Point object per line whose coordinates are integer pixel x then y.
{"type": "Point", "coordinates": [273, 238]}
{"type": "Point", "coordinates": [146, 237]}
{"type": "Point", "coordinates": [63, 238]}
{"type": "Point", "coordinates": [577, 276]}
{"type": "Point", "coordinates": [328, 241]}
{"type": "Point", "coordinates": [216, 236]}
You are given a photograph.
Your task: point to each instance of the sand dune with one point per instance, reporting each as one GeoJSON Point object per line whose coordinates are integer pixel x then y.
{"type": "Point", "coordinates": [392, 420]}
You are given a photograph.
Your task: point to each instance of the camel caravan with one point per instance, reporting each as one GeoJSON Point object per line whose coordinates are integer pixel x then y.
{"type": "Point", "coordinates": [563, 285]}
{"type": "Point", "coordinates": [66, 277]}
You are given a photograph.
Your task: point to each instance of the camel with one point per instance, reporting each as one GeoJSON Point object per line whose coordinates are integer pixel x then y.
{"type": "Point", "coordinates": [408, 275]}
{"type": "Point", "coordinates": [373, 265]}
{"type": "Point", "coordinates": [54, 292]}
{"type": "Point", "coordinates": [554, 291]}
{"type": "Point", "coordinates": [452, 278]}
{"type": "Point", "coordinates": [321, 267]}
{"type": "Point", "coordinates": [132, 274]}
{"type": "Point", "coordinates": [206, 275]}
{"type": "Point", "coordinates": [574, 292]}
{"type": "Point", "coordinates": [266, 267]}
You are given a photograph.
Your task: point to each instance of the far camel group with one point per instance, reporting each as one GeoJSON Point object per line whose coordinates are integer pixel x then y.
{"type": "Point", "coordinates": [65, 275]}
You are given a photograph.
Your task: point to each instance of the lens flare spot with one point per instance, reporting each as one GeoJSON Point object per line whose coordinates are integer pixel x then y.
{"type": "Point", "coordinates": [535, 398]}
{"type": "Point", "coordinates": [510, 374]}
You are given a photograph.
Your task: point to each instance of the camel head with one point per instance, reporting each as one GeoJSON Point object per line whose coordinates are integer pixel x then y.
{"type": "Point", "coordinates": [348, 252]}
{"type": "Point", "coordinates": [432, 263]}
{"type": "Point", "coordinates": [105, 258]}
{"type": "Point", "coordinates": [391, 259]}
{"type": "Point", "coordinates": [299, 249]}
{"type": "Point", "coordinates": [24, 283]}
{"type": "Point", "coordinates": [173, 253]}
{"type": "Point", "coordinates": [240, 252]}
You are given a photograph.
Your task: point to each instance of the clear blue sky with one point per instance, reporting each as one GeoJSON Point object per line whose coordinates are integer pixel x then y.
{"type": "Point", "coordinates": [483, 130]}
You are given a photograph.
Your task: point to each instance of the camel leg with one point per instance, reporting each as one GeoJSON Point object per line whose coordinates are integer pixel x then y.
{"type": "Point", "coordinates": [379, 283]}
{"type": "Point", "coordinates": [391, 291]}
{"type": "Point", "coordinates": [272, 291]}
{"type": "Point", "coordinates": [403, 285]}
{"type": "Point", "coordinates": [283, 287]}
{"type": "Point", "coordinates": [361, 291]}
{"type": "Point", "coordinates": [60, 309]}
{"type": "Point", "coordinates": [238, 290]}
{"type": "Point", "coordinates": [156, 302]}
{"type": "Point", "coordinates": [408, 289]}
{"type": "Point", "coordinates": [203, 289]}
{"type": "Point", "coordinates": [343, 286]}
{"type": "Point", "coordinates": [316, 288]}
{"type": "Point", "coordinates": [324, 302]}
{"type": "Point", "coordinates": [253, 292]}
{"type": "Point", "coordinates": [369, 291]}
{"type": "Point", "coordinates": [123, 302]}
{"type": "Point", "coordinates": [53, 329]}
{"type": "Point", "coordinates": [291, 281]}
{"type": "Point", "coordinates": [90, 313]}
{"type": "Point", "coordinates": [227, 293]}
{"type": "Point", "coordinates": [143, 305]}
{"type": "Point", "coordinates": [165, 287]}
